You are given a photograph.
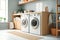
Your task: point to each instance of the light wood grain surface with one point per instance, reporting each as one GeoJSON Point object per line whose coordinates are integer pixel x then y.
{"type": "Point", "coordinates": [24, 35]}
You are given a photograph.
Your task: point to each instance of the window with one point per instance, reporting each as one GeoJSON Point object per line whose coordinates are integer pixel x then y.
{"type": "Point", "coordinates": [3, 10]}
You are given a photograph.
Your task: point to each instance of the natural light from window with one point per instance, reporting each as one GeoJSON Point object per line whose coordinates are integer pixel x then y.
{"type": "Point", "coordinates": [3, 10]}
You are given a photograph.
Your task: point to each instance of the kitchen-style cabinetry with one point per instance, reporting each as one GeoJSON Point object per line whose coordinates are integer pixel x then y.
{"type": "Point", "coordinates": [44, 29]}
{"type": "Point", "coordinates": [45, 23]}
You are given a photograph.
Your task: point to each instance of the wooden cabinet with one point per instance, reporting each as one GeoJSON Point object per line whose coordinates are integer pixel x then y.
{"type": "Point", "coordinates": [44, 23]}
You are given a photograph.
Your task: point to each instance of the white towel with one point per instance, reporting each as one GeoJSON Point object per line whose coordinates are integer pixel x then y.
{"type": "Point", "coordinates": [50, 18]}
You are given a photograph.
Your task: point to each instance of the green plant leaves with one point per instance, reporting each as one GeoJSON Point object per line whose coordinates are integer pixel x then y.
{"type": "Point", "coordinates": [1, 18]}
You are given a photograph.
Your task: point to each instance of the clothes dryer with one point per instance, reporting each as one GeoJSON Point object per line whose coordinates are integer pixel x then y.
{"type": "Point", "coordinates": [35, 23]}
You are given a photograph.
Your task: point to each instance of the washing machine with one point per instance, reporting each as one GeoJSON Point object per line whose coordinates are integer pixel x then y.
{"type": "Point", "coordinates": [35, 23]}
{"type": "Point", "coordinates": [25, 22]}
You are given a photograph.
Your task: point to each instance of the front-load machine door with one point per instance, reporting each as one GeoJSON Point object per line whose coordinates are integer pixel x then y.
{"type": "Point", "coordinates": [25, 23]}
{"type": "Point", "coordinates": [34, 25]}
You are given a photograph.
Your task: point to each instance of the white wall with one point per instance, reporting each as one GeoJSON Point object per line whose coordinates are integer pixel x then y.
{"type": "Point", "coordinates": [12, 6]}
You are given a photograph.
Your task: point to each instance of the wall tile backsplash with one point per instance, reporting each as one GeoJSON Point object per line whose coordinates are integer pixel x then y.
{"type": "Point", "coordinates": [50, 3]}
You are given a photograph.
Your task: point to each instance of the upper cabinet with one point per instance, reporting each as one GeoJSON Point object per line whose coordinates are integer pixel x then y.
{"type": "Point", "coordinates": [25, 2]}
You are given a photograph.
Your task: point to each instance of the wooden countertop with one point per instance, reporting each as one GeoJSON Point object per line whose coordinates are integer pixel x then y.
{"type": "Point", "coordinates": [30, 13]}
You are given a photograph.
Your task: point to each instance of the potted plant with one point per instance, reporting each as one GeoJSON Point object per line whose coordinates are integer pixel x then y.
{"type": "Point", "coordinates": [21, 9]}
{"type": "Point", "coordinates": [53, 30]}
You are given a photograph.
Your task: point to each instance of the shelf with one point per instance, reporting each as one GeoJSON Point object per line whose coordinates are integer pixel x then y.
{"type": "Point", "coordinates": [16, 15]}
{"type": "Point", "coordinates": [58, 12]}
{"type": "Point", "coordinates": [58, 29]}
{"type": "Point", "coordinates": [22, 3]}
{"type": "Point", "coordinates": [58, 20]}
{"type": "Point", "coordinates": [58, 5]}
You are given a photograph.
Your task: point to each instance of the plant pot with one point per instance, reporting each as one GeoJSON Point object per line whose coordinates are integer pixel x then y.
{"type": "Point", "coordinates": [53, 31]}
{"type": "Point", "coordinates": [25, 0]}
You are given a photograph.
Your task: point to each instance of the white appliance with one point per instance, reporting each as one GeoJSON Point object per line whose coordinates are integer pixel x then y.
{"type": "Point", "coordinates": [35, 23]}
{"type": "Point", "coordinates": [25, 22]}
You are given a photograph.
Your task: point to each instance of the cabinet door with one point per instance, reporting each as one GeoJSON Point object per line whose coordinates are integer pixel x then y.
{"type": "Point", "coordinates": [45, 20]}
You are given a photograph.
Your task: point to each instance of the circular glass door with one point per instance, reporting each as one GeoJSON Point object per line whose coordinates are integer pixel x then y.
{"type": "Point", "coordinates": [35, 23]}
{"type": "Point", "coordinates": [25, 22]}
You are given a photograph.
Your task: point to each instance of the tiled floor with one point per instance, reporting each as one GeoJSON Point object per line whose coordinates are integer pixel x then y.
{"type": "Point", "coordinates": [4, 35]}
{"type": "Point", "coordinates": [50, 37]}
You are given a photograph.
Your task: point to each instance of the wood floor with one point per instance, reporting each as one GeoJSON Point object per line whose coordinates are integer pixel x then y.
{"type": "Point", "coordinates": [26, 35]}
